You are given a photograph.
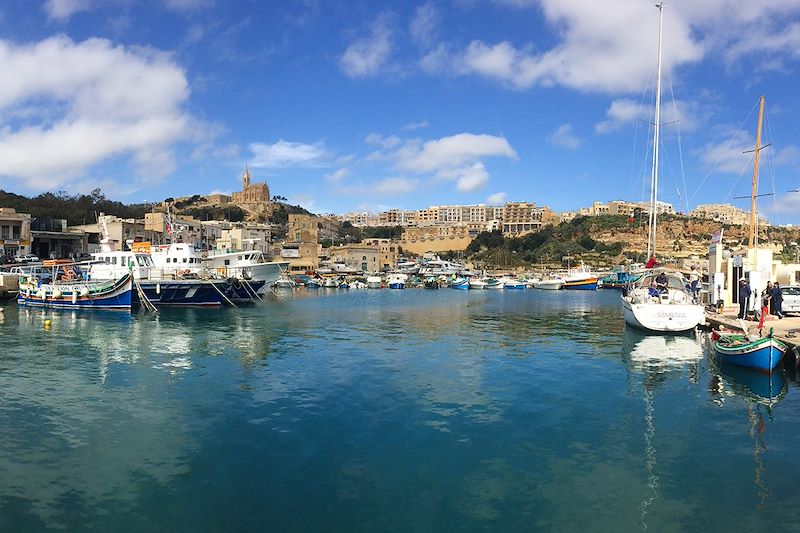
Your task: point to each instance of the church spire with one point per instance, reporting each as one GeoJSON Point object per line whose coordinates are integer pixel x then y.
{"type": "Point", "coordinates": [246, 177]}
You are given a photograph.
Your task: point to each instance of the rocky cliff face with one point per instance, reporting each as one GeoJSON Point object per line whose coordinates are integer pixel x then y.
{"type": "Point", "coordinates": [681, 237]}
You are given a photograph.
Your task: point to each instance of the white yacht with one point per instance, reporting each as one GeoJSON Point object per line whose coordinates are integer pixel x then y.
{"type": "Point", "coordinates": [439, 267]}
{"type": "Point", "coordinates": [661, 305]}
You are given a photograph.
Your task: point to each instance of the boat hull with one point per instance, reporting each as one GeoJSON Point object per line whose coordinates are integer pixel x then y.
{"type": "Point", "coordinates": [461, 285]}
{"type": "Point", "coordinates": [549, 285]}
{"type": "Point", "coordinates": [197, 293]}
{"type": "Point", "coordinates": [663, 318]}
{"type": "Point", "coordinates": [589, 284]}
{"type": "Point", "coordinates": [763, 354]}
{"type": "Point", "coordinates": [397, 285]}
{"type": "Point", "coordinates": [110, 295]}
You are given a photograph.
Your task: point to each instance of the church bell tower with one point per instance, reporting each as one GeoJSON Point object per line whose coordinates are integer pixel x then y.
{"type": "Point", "coordinates": [246, 178]}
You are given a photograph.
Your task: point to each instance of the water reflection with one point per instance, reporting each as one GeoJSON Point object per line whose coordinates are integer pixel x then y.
{"type": "Point", "coordinates": [654, 358]}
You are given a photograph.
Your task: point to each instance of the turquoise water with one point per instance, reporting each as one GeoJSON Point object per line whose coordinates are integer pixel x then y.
{"type": "Point", "coordinates": [386, 411]}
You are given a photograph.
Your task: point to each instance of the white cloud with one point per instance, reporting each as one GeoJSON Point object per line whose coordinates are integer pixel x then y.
{"type": "Point", "coordinates": [497, 198]}
{"type": "Point", "coordinates": [516, 3]}
{"type": "Point", "coordinates": [423, 26]}
{"type": "Point", "coordinates": [337, 176]}
{"type": "Point", "coordinates": [787, 203]}
{"type": "Point", "coordinates": [367, 56]}
{"type": "Point", "coordinates": [728, 156]}
{"type": "Point", "coordinates": [188, 5]}
{"type": "Point", "coordinates": [395, 186]}
{"type": "Point", "coordinates": [86, 103]}
{"type": "Point", "coordinates": [376, 139]}
{"type": "Point", "coordinates": [416, 125]}
{"type": "Point", "coordinates": [452, 152]}
{"type": "Point", "coordinates": [287, 154]}
{"type": "Point", "coordinates": [62, 10]}
{"type": "Point", "coordinates": [788, 156]}
{"type": "Point", "coordinates": [613, 50]}
{"type": "Point", "coordinates": [380, 188]}
{"type": "Point", "coordinates": [565, 137]}
{"type": "Point", "coordinates": [468, 179]}
{"type": "Point", "coordinates": [621, 112]}
{"type": "Point", "coordinates": [688, 115]}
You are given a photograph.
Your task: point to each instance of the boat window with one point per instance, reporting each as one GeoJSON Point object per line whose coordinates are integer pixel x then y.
{"type": "Point", "coordinates": [140, 260]}
{"type": "Point", "coordinates": [113, 260]}
{"type": "Point", "coordinates": [184, 259]}
{"type": "Point", "coordinates": [239, 257]}
{"type": "Point", "coordinates": [675, 283]}
{"type": "Point", "coordinates": [227, 262]}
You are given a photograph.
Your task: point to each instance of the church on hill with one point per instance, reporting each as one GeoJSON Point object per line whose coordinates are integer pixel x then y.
{"type": "Point", "coordinates": [251, 193]}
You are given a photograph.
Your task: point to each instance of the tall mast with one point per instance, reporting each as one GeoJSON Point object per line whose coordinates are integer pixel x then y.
{"type": "Point", "coordinates": [754, 194]}
{"type": "Point", "coordinates": [651, 237]}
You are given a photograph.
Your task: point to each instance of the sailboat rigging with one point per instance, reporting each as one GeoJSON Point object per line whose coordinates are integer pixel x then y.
{"type": "Point", "coordinates": [659, 301]}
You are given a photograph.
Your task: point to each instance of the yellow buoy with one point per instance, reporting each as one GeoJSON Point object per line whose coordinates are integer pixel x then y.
{"type": "Point", "coordinates": [47, 324]}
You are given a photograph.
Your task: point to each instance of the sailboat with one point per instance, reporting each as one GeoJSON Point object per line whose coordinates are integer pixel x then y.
{"type": "Point", "coordinates": [659, 301]}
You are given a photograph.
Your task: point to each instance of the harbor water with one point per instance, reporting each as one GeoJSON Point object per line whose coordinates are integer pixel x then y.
{"type": "Point", "coordinates": [387, 410]}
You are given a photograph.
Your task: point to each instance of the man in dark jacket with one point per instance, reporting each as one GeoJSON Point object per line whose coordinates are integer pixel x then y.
{"type": "Point", "coordinates": [744, 296]}
{"type": "Point", "coordinates": [777, 300]}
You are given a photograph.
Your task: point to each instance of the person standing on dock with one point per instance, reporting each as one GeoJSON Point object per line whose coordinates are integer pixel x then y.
{"type": "Point", "coordinates": [744, 296]}
{"type": "Point", "coordinates": [777, 300]}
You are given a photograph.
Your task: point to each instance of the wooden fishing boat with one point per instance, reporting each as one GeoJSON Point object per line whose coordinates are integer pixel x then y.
{"type": "Point", "coordinates": [76, 293]}
{"type": "Point", "coordinates": [764, 353]}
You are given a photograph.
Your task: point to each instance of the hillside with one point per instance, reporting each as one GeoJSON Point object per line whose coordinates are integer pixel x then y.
{"type": "Point", "coordinates": [610, 240]}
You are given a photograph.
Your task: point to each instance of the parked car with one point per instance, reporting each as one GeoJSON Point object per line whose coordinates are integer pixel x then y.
{"type": "Point", "coordinates": [27, 258]}
{"type": "Point", "coordinates": [791, 298]}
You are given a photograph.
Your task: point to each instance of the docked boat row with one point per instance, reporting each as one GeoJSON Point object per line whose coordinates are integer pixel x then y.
{"type": "Point", "coordinates": [150, 276]}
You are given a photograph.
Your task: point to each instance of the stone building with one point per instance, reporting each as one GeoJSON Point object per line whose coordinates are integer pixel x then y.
{"type": "Point", "coordinates": [185, 229]}
{"type": "Point", "coordinates": [122, 231]}
{"type": "Point", "coordinates": [302, 247]}
{"type": "Point", "coordinates": [438, 238]}
{"type": "Point", "coordinates": [370, 255]}
{"type": "Point", "coordinates": [251, 193]}
{"type": "Point", "coordinates": [15, 232]}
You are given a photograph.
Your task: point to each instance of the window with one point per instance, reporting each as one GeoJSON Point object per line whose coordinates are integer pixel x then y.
{"type": "Point", "coordinates": [16, 232]}
{"type": "Point", "coordinates": [5, 232]}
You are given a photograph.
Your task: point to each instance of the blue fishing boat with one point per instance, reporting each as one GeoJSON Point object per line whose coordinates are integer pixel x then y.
{"type": "Point", "coordinates": [76, 293]}
{"type": "Point", "coordinates": [763, 354]}
{"type": "Point", "coordinates": [460, 283]}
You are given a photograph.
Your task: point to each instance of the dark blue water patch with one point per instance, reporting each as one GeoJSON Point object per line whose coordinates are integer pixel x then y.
{"type": "Point", "coordinates": [385, 410]}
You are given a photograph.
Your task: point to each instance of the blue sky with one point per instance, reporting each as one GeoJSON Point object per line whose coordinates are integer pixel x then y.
{"type": "Point", "coordinates": [367, 105]}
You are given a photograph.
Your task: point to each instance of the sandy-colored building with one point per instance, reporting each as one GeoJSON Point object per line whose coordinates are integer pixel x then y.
{"type": "Point", "coordinates": [184, 229]}
{"type": "Point", "coordinates": [302, 248]}
{"type": "Point", "coordinates": [15, 232]}
{"type": "Point", "coordinates": [121, 232]}
{"type": "Point", "coordinates": [437, 239]}
{"type": "Point", "coordinates": [520, 218]}
{"type": "Point", "coordinates": [245, 236]}
{"type": "Point", "coordinates": [724, 213]}
{"type": "Point", "coordinates": [370, 255]}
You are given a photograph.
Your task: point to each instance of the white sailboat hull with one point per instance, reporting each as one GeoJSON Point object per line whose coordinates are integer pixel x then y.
{"type": "Point", "coordinates": [663, 318]}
